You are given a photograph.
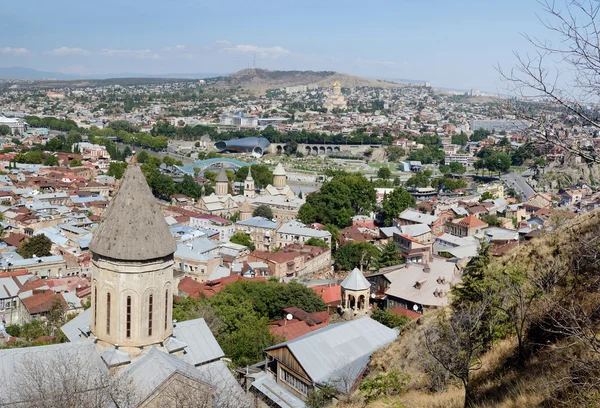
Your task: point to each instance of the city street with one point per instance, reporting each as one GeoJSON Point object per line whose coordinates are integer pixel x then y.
{"type": "Point", "coordinates": [519, 183]}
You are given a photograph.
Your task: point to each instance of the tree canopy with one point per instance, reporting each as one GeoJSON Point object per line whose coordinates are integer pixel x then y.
{"type": "Point", "coordinates": [38, 245]}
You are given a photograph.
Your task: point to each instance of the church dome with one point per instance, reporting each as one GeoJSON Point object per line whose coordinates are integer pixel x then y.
{"type": "Point", "coordinates": [134, 228]}
{"type": "Point", "coordinates": [279, 170]}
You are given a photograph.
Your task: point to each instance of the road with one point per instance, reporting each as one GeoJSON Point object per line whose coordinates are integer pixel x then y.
{"type": "Point", "coordinates": [519, 183]}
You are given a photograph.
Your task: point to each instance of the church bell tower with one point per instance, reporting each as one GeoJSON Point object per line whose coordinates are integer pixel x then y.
{"type": "Point", "coordinates": [132, 268]}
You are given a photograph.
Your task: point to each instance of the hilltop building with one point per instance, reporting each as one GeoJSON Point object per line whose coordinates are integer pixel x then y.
{"type": "Point", "coordinates": [335, 100]}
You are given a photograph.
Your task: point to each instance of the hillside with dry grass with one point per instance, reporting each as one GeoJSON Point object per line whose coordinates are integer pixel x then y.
{"type": "Point", "coordinates": [258, 81]}
{"type": "Point", "coordinates": [543, 330]}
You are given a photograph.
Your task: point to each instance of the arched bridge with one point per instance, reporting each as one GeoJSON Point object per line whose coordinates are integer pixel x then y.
{"type": "Point", "coordinates": [216, 162]}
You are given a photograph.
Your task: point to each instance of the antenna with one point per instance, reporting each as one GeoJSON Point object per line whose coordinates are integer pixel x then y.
{"type": "Point", "coordinates": [254, 60]}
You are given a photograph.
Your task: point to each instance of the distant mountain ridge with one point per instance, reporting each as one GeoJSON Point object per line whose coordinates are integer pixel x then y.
{"type": "Point", "coordinates": [34, 74]}
{"type": "Point", "coordinates": [259, 80]}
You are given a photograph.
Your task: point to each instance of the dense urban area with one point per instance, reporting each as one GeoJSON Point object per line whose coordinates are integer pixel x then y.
{"type": "Point", "coordinates": [296, 239]}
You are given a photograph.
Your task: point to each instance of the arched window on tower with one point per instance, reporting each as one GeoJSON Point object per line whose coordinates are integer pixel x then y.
{"type": "Point", "coordinates": [150, 306]}
{"type": "Point", "coordinates": [128, 318]}
{"type": "Point", "coordinates": [108, 313]}
{"type": "Point", "coordinates": [166, 308]}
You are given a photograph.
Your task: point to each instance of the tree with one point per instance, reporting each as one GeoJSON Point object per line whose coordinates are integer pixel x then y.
{"type": "Point", "coordinates": [457, 168]}
{"type": "Point", "coordinates": [5, 130]}
{"type": "Point", "coordinates": [397, 201]}
{"type": "Point", "coordinates": [460, 139]}
{"type": "Point", "coordinates": [142, 157]}
{"type": "Point", "coordinates": [491, 220]}
{"type": "Point", "coordinates": [384, 172]}
{"type": "Point", "coordinates": [389, 319]}
{"type": "Point", "coordinates": [389, 256]}
{"type": "Point", "coordinates": [486, 196]}
{"type": "Point", "coordinates": [116, 169]}
{"type": "Point", "coordinates": [263, 211]}
{"type": "Point", "coordinates": [188, 187]}
{"type": "Point", "coordinates": [39, 245]}
{"type": "Point", "coordinates": [261, 174]}
{"type": "Point", "coordinates": [569, 84]}
{"type": "Point", "coordinates": [50, 160]}
{"type": "Point", "coordinates": [242, 238]}
{"type": "Point", "coordinates": [321, 243]}
{"type": "Point", "coordinates": [420, 179]}
{"type": "Point", "coordinates": [356, 255]}
{"type": "Point", "coordinates": [455, 343]}
{"type": "Point", "coordinates": [75, 163]}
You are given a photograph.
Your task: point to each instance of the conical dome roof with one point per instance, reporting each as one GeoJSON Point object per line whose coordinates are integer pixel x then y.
{"type": "Point", "coordinates": [356, 281]}
{"type": "Point", "coordinates": [222, 177]}
{"type": "Point", "coordinates": [134, 228]}
{"type": "Point", "coordinates": [279, 170]}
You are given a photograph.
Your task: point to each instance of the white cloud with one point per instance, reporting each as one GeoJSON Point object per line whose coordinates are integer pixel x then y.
{"type": "Point", "coordinates": [139, 54]}
{"type": "Point", "coordinates": [176, 48]}
{"type": "Point", "coordinates": [272, 52]}
{"type": "Point", "coordinates": [14, 51]}
{"type": "Point", "coordinates": [68, 52]}
{"type": "Point", "coordinates": [224, 42]}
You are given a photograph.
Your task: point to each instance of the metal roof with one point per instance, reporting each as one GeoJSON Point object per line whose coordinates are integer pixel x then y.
{"type": "Point", "coordinates": [276, 393]}
{"type": "Point", "coordinates": [75, 327]}
{"type": "Point", "coordinates": [259, 222]}
{"type": "Point", "coordinates": [202, 347]}
{"type": "Point", "coordinates": [356, 281]}
{"type": "Point", "coordinates": [417, 217]}
{"type": "Point", "coordinates": [341, 349]}
{"type": "Point", "coordinates": [228, 393]}
{"type": "Point", "coordinates": [294, 227]}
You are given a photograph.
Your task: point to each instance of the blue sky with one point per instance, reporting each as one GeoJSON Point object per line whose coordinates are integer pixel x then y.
{"type": "Point", "coordinates": [451, 43]}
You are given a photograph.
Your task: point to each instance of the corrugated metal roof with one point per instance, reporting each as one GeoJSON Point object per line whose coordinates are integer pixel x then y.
{"type": "Point", "coordinates": [228, 394]}
{"type": "Point", "coordinates": [202, 346]}
{"type": "Point", "coordinates": [276, 393]}
{"type": "Point", "coordinates": [341, 349]}
{"type": "Point", "coordinates": [74, 327]}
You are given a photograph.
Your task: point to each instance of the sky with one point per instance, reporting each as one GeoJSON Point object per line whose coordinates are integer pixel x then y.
{"type": "Point", "coordinates": [452, 44]}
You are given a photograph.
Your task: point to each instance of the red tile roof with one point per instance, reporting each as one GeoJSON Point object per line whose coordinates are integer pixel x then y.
{"type": "Point", "coordinates": [471, 222]}
{"type": "Point", "coordinates": [42, 301]}
{"type": "Point", "coordinates": [402, 311]}
{"type": "Point", "coordinates": [330, 294]}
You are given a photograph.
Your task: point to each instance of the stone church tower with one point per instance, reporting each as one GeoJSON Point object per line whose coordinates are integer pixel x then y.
{"type": "Point", "coordinates": [132, 268]}
{"type": "Point", "coordinates": [221, 183]}
{"type": "Point", "coordinates": [279, 177]}
{"type": "Point", "coordinates": [249, 188]}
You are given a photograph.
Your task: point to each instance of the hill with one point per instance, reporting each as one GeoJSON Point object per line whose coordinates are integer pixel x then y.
{"type": "Point", "coordinates": [256, 80]}
{"type": "Point", "coordinates": [542, 321]}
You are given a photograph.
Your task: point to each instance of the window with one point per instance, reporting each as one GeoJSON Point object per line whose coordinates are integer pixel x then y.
{"type": "Point", "coordinates": [128, 318]}
{"type": "Point", "coordinates": [166, 308]}
{"type": "Point", "coordinates": [150, 306]}
{"type": "Point", "coordinates": [108, 313]}
{"type": "Point", "coordinates": [294, 382]}
{"type": "Point", "coordinates": [95, 303]}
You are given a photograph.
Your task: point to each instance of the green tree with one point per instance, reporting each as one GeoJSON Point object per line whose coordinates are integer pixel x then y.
{"type": "Point", "coordinates": [384, 172]}
{"type": "Point", "coordinates": [116, 169]}
{"type": "Point", "coordinates": [50, 160]}
{"type": "Point", "coordinates": [389, 319]}
{"type": "Point", "coordinates": [486, 196]}
{"type": "Point", "coordinates": [5, 130]}
{"type": "Point", "coordinates": [356, 255]}
{"type": "Point", "coordinates": [457, 168]}
{"type": "Point", "coordinates": [242, 238]}
{"type": "Point", "coordinates": [389, 256]}
{"type": "Point", "coordinates": [460, 139]}
{"type": "Point", "coordinates": [420, 179]}
{"type": "Point", "coordinates": [263, 211]}
{"type": "Point", "coordinates": [75, 163]}
{"type": "Point", "coordinates": [316, 242]}
{"type": "Point", "coordinates": [142, 157]}
{"type": "Point", "coordinates": [39, 245]}
{"type": "Point", "coordinates": [397, 201]}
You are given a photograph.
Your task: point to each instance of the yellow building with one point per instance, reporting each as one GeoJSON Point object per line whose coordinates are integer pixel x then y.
{"type": "Point", "coordinates": [497, 190]}
{"type": "Point", "coordinates": [335, 100]}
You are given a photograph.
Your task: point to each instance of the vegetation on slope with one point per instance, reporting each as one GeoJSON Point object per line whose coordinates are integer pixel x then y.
{"type": "Point", "coordinates": [522, 331]}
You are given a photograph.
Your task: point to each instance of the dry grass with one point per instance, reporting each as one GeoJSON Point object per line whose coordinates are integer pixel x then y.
{"type": "Point", "coordinates": [500, 382]}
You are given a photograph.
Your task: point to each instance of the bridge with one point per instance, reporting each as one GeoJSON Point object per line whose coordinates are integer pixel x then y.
{"type": "Point", "coordinates": [324, 149]}
{"type": "Point", "coordinates": [216, 162]}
